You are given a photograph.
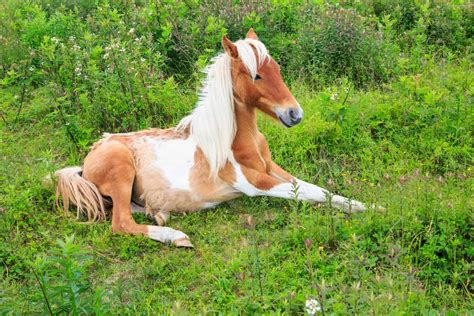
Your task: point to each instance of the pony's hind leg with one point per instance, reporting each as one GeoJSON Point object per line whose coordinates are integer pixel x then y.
{"type": "Point", "coordinates": [160, 217]}
{"type": "Point", "coordinates": [110, 167]}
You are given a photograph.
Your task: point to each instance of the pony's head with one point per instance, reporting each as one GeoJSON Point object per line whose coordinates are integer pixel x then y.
{"type": "Point", "coordinates": [244, 76]}
{"type": "Point", "coordinates": [257, 81]}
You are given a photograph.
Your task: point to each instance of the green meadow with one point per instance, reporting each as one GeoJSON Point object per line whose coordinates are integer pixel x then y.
{"type": "Point", "coordinates": [387, 90]}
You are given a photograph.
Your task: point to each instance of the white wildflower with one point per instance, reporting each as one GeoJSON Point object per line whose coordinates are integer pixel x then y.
{"type": "Point", "coordinates": [122, 50]}
{"type": "Point", "coordinates": [32, 68]}
{"type": "Point", "coordinates": [78, 70]}
{"type": "Point", "coordinates": [55, 40]}
{"type": "Point", "coordinates": [312, 306]}
{"type": "Point", "coordinates": [131, 31]}
{"type": "Point", "coordinates": [72, 38]}
{"type": "Point", "coordinates": [76, 47]}
{"type": "Point", "coordinates": [142, 60]}
{"type": "Point", "coordinates": [106, 55]}
{"type": "Point", "coordinates": [334, 96]}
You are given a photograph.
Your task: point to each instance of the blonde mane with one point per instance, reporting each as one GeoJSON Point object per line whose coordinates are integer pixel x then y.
{"type": "Point", "coordinates": [212, 123]}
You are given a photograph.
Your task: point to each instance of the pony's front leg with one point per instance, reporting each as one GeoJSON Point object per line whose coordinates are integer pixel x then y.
{"type": "Point", "coordinates": [281, 184]}
{"type": "Point", "coordinates": [311, 192]}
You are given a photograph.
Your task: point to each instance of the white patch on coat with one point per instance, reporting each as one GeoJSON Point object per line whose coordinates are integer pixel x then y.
{"type": "Point", "coordinates": [165, 234]}
{"type": "Point", "coordinates": [174, 158]}
{"type": "Point", "coordinates": [241, 183]}
{"type": "Point", "coordinates": [310, 192]}
{"type": "Point", "coordinates": [210, 204]}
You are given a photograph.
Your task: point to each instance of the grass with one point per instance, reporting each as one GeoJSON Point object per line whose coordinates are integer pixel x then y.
{"type": "Point", "coordinates": [407, 146]}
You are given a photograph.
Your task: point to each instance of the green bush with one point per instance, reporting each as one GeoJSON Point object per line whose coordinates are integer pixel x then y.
{"type": "Point", "coordinates": [339, 44]}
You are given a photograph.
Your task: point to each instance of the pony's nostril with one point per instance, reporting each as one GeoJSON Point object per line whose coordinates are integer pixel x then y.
{"type": "Point", "coordinates": [292, 114]}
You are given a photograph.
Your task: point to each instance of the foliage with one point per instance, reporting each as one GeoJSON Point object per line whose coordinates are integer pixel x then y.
{"type": "Point", "coordinates": [338, 43]}
{"type": "Point", "coordinates": [387, 91]}
{"type": "Point", "coordinates": [61, 277]}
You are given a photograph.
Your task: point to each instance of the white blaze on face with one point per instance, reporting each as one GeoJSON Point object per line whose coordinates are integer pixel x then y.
{"type": "Point", "coordinates": [174, 158]}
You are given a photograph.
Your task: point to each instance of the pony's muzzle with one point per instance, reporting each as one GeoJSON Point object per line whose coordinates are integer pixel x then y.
{"type": "Point", "coordinates": [291, 116]}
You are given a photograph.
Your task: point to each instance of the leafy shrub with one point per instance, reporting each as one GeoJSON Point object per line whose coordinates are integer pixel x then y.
{"type": "Point", "coordinates": [340, 44]}
{"type": "Point", "coordinates": [62, 281]}
{"type": "Point", "coordinates": [447, 27]}
{"type": "Point", "coordinates": [444, 26]}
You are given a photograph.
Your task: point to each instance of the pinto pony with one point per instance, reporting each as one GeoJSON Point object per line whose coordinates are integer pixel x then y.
{"type": "Point", "coordinates": [214, 154]}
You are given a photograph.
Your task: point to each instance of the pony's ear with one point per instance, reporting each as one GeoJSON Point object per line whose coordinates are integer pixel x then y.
{"type": "Point", "coordinates": [251, 34]}
{"type": "Point", "coordinates": [229, 47]}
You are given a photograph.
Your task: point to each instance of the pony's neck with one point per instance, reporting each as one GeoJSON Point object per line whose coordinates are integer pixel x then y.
{"type": "Point", "coordinates": [246, 121]}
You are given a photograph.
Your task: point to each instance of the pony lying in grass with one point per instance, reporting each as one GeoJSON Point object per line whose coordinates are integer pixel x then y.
{"type": "Point", "coordinates": [215, 154]}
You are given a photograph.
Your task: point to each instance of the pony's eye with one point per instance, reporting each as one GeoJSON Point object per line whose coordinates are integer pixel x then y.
{"type": "Point", "coordinates": [257, 77]}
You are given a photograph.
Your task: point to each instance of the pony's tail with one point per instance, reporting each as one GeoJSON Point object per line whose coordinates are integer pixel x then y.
{"type": "Point", "coordinates": [73, 188]}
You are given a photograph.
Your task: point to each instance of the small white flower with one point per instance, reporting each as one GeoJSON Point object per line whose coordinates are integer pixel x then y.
{"type": "Point", "coordinates": [78, 70]}
{"type": "Point", "coordinates": [312, 306]}
{"type": "Point", "coordinates": [16, 96]}
{"type": "Point", "coordinates": [32, 68]}
{"type": "Point", "coordinates": [76, 47]}
{"type": "Point", "coordinates": [122, 50]}
{"type": "Point", "coordinates": [106, 55]}
{"type": "Point", "coordinates": [334, 96]}
{"type": "Point", "coordinates": [131, 31]}
{"type": "Point", "coordinates": [55, 40]}
{"type": "Point", "coordinates": [142, 60]}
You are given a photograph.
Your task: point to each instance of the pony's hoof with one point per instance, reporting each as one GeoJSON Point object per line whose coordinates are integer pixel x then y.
{"type": "Point", "coordinates": [183, 242]}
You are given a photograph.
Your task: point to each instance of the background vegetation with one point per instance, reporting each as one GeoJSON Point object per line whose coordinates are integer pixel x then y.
{"type": "Point", "coordinates": [387, 91]}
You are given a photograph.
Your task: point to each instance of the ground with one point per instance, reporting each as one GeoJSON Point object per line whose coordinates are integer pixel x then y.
{"type": "Point", "coordinates": [260, 254]}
